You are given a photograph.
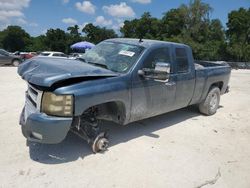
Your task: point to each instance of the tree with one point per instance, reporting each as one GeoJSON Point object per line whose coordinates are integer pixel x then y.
{"type": "Point", "coordinates": [56, 40]}
{"type": "Point", "coordinates": [14, 38]}
{"type": "Point", "coordinates": [238, 34]}
{"type": "Point", "coordinates": [145, 27]}
{"type": "Point", "coordinates": [214, 46]}
{"type": "Point", "coordinates": [75, 36]}
{"type": "Point", "coordinates": [38, 44]}
{"type": "Point", "coordinates": [96, 34]}
{"type": "Point", "coordinates": [173, 22]}
{"type": "Point", "coordinates": [191, 24]}
{"type": "Point", "coordinates": [129, 28]}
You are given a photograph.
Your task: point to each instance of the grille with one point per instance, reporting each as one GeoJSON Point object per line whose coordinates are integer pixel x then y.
{"type": "Point", "coordinates": [32, 95]}
{"type": "Point", "coordinates": [33, 99]}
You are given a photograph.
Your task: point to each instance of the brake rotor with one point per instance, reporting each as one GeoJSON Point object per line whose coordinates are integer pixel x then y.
{"type": "Point", "coordinates": [100, 143]}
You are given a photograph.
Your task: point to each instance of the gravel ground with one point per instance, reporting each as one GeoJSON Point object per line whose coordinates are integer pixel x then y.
{"type": "Point", "coordinates": [178, 149]}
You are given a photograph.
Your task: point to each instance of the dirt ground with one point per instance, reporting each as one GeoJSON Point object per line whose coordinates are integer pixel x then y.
{"type": "Point", "coordinates": [179, 149]}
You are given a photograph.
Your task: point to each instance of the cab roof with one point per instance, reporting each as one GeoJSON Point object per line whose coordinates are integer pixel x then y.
{"type": "Point", "coordinates": [146, 43]}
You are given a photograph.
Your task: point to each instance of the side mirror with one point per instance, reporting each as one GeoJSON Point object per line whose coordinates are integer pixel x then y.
{"type": "Point", "coordinates": [162, 67]}
{"type": "Point", "coordinates": [159, 73]}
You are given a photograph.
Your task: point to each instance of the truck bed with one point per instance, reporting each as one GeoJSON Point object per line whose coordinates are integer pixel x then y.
{"type": "Point", "coordinates": [208, 73]}
{"type": "Point", "coordinates": [208, 64]}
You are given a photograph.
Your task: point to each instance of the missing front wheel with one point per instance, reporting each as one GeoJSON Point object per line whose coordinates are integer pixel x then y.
{"type": "Point", "coordinates": [87, 127]}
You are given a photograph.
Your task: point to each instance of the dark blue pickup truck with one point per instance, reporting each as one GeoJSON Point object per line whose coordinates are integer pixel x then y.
{"type": "Point", "coordinates": [119, 80]}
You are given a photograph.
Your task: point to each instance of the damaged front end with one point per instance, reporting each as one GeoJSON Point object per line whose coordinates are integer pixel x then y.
{"type": "Point", "coordinates": [38, 126]}
{"type": "Point", "coordinates": [48, 116]}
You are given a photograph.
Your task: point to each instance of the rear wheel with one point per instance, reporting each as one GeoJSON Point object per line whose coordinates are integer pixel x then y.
{"type": "Point", "coordinates": [210, 105]}
{"type": "Point", "coordinates": [16, 63]}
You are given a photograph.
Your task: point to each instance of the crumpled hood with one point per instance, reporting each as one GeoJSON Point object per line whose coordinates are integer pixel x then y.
{"type": "Point", "coordinates": [44, 71]}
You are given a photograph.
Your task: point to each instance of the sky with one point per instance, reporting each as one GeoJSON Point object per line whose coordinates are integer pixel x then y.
{"type": "Point", "coordinates": [36, 16]}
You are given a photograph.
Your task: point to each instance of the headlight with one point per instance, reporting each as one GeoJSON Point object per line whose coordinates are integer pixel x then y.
{"type": "Point", "coordinates": [57, 105]}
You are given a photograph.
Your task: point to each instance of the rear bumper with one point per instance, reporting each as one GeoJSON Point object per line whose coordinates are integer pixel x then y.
{"type": "Point", "coordinates": [39, 127]}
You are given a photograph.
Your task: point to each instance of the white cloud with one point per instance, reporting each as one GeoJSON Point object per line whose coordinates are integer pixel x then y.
{"type": "Point", "coordinates": [14, 4]}
{"type": "Point", "coordinates": [118, 25]}
{"type": "Point", "coordinates": [6, 15]}
{"type": "Point", "coordinates": [100, 20]}
{"type": "Point", "coordinates": [11, 11]}
{"type": "Point", "coordinates": [142, 1]}
{"type": "Point", "coordinates": [33, 25]}
{"type": "Point", "coordinates": [86, 7]}
{"type": "Point", "coordinates": [65, 2]}
{"type": "Point", "coordinates": [119, 10]}
{"type": "Point", "coordinates": [69, 21]}
{"type": "Point", "coordinates": [21, 21]}
{"type": "Point", "coordinates": [82, 26]}
{"type": "Point", "coordinates": [44, 31]}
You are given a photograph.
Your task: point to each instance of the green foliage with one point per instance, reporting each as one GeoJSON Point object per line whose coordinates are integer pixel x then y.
{"type": "Point", "coordinates": [173, 22]}
{"type": "Point", "coordinates": [97, 34]}
{"type": "Point", "coordinates": [38, 44]}
{"type": "Point", "coordinates": [238, 34]}
{"type": "Point", "coordinates": [55, 40]}
{"type": "Point", "coordinates": [14, 38]}
{"type": "Point", "coordinates": [145, 27]}
{"type": "Point", "coordinates": [189, 24]}
{"type": "Point", "coordinates": [74, 35]}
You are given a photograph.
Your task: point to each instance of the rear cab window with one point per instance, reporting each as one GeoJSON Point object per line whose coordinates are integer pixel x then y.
{"type": "Point", "coordinates": [181, 59]}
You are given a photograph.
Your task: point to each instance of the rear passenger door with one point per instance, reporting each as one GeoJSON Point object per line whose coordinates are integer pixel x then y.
{"type": "Point", "coordinates": [184, 76]}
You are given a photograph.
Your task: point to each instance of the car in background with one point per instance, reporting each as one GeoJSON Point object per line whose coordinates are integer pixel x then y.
{"type": "Point", "coordinates": [76, 55]}
{"type": "Point", "coordinates": [25, 55]}
{"type": "Point", "coordinates": [53, 54]}
{"type": "Point", "coordinates": [7, 58]}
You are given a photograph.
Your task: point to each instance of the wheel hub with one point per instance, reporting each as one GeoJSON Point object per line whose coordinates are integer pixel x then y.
{"type": "Point", "coordinates": [214, 101]}
{"type": "Point", "coordinates": [100, 143]}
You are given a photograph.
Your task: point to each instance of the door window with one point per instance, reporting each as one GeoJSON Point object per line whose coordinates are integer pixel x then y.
{"type": "Point", "coordinates": [157, 55]}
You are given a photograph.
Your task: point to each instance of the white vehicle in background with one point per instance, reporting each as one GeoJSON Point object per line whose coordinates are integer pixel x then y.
{"type": "Point", "coordinates": [53, 54]}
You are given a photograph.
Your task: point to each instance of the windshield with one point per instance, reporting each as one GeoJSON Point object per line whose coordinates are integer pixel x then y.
{"type": "Point", "coordinates": [118, 57]}
{"type": "Point", "coordinates": [3, 52]}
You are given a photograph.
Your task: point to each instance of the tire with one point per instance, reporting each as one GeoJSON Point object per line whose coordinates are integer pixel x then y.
{"type": "Point", "coordinates": [16, 63]}
{"type": "Point", "coordinates": [210, 105]}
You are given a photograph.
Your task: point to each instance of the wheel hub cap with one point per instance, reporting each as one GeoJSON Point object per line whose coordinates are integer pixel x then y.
{"type": "Point", "coordinates": [214, 101]}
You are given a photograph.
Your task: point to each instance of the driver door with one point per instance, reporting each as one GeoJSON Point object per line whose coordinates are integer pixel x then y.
{"type": "Point", "coordinates": [152, 97]}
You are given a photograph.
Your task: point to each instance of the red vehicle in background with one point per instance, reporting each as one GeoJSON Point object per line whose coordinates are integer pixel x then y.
{"type": "Point", "coordinates": [25, 55]}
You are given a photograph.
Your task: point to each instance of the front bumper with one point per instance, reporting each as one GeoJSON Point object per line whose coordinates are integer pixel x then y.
{"type": "Point", "coordinates": [39, 127]}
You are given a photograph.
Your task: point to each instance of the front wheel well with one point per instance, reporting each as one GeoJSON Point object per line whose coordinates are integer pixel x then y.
{"type": "Point", "coordinates": [111, 111]}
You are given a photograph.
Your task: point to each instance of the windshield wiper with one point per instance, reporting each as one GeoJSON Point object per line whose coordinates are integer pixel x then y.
{"type": "Point", "coordinates": [93, 63]}
{"type": "Point", "coordinates": [97, 64]}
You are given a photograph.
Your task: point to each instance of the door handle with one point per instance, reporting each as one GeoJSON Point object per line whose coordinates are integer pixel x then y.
{"type": "Point", "coordinates": [170, 83]}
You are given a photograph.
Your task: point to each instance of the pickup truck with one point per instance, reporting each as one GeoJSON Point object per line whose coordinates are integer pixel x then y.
{"type": "Point", "coordinates": [119, 80]}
